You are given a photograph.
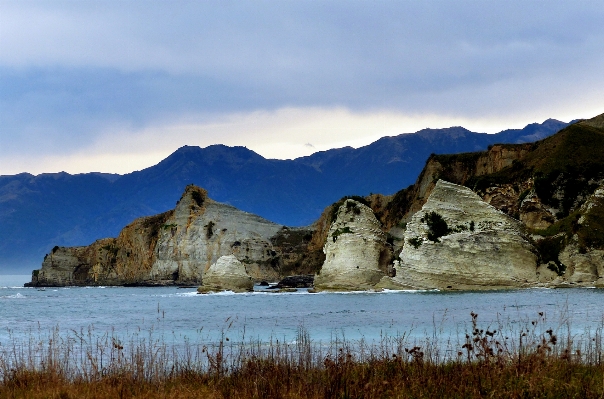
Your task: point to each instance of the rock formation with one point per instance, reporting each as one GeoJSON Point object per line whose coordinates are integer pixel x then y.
{"type": "Point", "coordinates": [458, 241]}
{"type": "Point", "coordinates": [516, 216]}
{"type": "Point", "coordinates": [302, 281]}
{"type": "Point", "coordinates": [355, 244]}
{"type": "Point", "coordinates": [583, 257]}
{"type": "Point", "coordinates": [227, 274]}
{"type": "Point", "coordinates": [179, 246]}
{"type": "Point", "coordinates": [202, 230]}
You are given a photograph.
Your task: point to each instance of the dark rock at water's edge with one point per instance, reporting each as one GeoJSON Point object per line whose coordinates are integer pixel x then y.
{"type": "Point", "coordinates": [33, 284]}
{"type": "Point", "coordinates": [163, 283]}
{"type": "Point", "coordinates": [301, 281]}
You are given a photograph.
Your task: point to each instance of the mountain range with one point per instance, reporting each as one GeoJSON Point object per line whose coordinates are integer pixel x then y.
{"type": "Point", "coordinates": [39, 212]}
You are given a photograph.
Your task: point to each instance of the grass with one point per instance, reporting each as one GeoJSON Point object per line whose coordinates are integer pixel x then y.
{"type": "Point", "coordinates": [510, 362]}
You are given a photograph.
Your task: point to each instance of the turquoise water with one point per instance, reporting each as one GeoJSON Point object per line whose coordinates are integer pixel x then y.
{"type": "Point", "coordinates": [180, 314]}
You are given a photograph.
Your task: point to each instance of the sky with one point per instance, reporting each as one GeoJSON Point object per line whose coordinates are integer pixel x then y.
{"type": "Point", "coordinates": [116, 86]}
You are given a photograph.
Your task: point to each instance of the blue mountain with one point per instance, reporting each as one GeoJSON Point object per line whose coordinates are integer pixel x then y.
{"type": "Point", "coordinates": [39, 212]}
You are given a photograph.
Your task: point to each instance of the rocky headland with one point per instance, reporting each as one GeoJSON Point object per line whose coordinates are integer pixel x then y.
{"type": "Point", "coordinates": [179, 247]}
{"type": "Point", "coordinates": [516, 215]}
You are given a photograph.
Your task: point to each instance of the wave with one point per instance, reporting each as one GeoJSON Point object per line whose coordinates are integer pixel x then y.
{"type": "Point", "coordinates": [18, 295]}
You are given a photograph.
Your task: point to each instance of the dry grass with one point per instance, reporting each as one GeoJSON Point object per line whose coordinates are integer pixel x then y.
{"type": "Point", "coordinates": [529, 362]}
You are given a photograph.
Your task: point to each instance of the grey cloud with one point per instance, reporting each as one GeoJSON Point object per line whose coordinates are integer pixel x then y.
{"type": "Point", "coordinates": [70, 69]}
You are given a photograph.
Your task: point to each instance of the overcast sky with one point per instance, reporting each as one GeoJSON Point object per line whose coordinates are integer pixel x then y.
{"type": "Point", "coordinates": [117, 86]}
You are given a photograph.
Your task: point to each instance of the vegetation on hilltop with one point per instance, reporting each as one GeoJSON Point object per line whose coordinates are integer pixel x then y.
{"type": "Point", "coordinates": [566, 168]}
{"type": "Point", "coordinates": [336, 206]}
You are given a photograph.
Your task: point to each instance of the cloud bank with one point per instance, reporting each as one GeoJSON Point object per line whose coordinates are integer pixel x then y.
{"type": "Point", "coordinates": [109, 86]}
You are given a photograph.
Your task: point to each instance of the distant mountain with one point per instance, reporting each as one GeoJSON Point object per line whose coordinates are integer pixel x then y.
{"type": "Point", "coordinates": [39, 212]}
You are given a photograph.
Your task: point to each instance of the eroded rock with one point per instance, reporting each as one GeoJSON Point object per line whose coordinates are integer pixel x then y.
{"type": "Point", "coordinates": [583, 257]}
{"type": "Point", "coordinates": [227, 274]}
{"type": "Point", "coordinates": [355, 244]}
{"type": "Point", "coordinates": [300, 281]}
{"type": "Point", "coordinates": [478, 247]}
{"type": "Point", "coordinates": [177, 247]}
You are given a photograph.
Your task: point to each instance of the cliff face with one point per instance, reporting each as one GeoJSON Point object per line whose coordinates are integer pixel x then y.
{"type": "Point", "coordinates": [458, 241]}
{"type": "Point", "coordinates": [179, 246]}
{"type": "Point", "coordinates": [583, 256]}
{"type": "Point", "coordinates": [354, 247]}
{"type": "Point", "coordinates": [459, 169]}
{"type": "Point", "coordinates": [110, 261]}
{"type": "Point", "coordinates": [202, 230]}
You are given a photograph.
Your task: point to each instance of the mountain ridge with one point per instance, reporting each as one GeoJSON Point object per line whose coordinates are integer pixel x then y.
{"type": "Point", "coordinates": [42, 211]}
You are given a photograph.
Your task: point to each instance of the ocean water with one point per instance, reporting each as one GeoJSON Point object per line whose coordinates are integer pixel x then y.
{"type": "Point", "coordinates": [177, 315]}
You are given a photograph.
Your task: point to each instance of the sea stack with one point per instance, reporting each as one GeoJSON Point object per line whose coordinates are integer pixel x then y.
{"type": "Point", "coordinates": [355, 244]}
{"type": "Point", "coordinates": [227, 274]}
{"type": "Point", "coordinates": [458, 241]}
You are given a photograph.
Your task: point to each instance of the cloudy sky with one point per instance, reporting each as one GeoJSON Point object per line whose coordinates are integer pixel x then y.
{"type": "Point", "coordinates": [116, 86]}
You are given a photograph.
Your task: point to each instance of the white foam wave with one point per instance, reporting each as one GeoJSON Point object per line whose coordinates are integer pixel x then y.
{"type": "Point", "coordinates": [15, 296]}
{"type": "Point", "coordinates": [179, 294]}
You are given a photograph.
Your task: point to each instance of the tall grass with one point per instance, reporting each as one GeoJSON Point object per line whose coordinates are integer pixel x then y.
{"type": "Point", "coordinates": [528, 359]}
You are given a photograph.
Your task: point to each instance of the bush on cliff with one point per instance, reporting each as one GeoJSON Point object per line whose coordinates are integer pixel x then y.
{"type": "Point", "coordinates": [335, 207]}
{"type": "Point", "coordinates": [437, 225]}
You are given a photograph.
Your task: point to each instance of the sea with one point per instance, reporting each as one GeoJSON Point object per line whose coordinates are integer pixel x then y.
{"type": "Point", "coordinates": [178, 315]}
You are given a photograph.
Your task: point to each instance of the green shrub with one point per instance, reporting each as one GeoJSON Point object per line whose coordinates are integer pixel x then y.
{"type": "Point", "coordinates": [437, 225]}
{"type": "Point", "coordinates": [567, 225]}
{"type": "Point", "coordinates": [339, 232]}
{"type": "Point", "coordinates": [559, 269]}
{"type": "Point", "coordinates": [416, 242]}
{"type": "Point", "coordinates": [549, 250]}
{"type": "Point", "coordinates": [335, 207]}
{"type": "Point", "coordinates": [353, 207]}
{"type": "Point", "coordinates": [523, 195]}
{"type": "Point", "coordinates": [591, 232]}
{"type": "Point", "coordinates": [197, 197]}
{"type": "Point", "coordinates": [210, 229]}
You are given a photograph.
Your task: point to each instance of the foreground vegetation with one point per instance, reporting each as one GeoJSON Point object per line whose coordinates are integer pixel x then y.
{"type": "Point", "coordinates": [487, 363]}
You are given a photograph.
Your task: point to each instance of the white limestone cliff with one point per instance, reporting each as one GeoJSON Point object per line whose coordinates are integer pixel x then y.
{"type": "Point", "coordinates": [354, 245]}
{"type": "Point", "coordinates": [482, 249]}
{"type": "Point", "coordinates": [202, 230]}
{"type": "Point", "coordinates": [178, 247]}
